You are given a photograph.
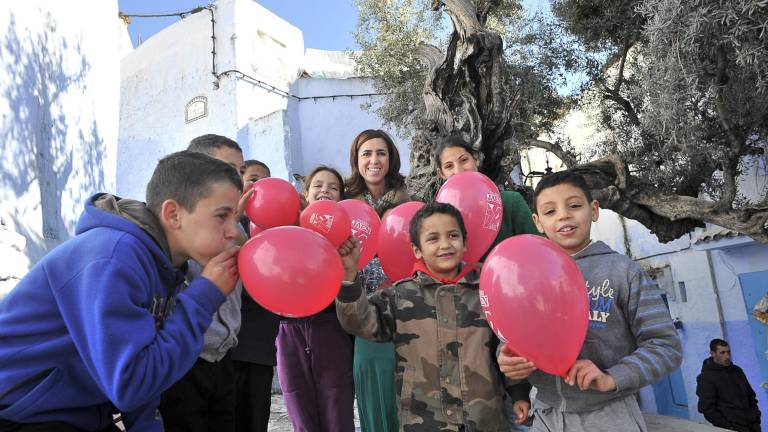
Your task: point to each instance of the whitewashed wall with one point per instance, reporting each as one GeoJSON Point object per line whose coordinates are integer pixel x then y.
{"type": "Point", "coordinates": [59, 92]}
{"type": "Point", "coordinates": [158, 79]}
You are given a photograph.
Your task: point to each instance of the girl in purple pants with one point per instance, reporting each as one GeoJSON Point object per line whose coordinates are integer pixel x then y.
{"type": "Point", "coordinates": [314, 354]}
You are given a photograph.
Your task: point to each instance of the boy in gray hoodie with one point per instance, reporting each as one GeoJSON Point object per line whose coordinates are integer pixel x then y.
{"type": "Point", "coordinates": [631, 341]}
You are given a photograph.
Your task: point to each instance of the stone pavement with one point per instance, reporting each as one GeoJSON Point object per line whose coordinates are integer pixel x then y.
{"type": "Point", "coordinates": [279, 421]}
{"type": "Point", "coordinates": [278, 418]}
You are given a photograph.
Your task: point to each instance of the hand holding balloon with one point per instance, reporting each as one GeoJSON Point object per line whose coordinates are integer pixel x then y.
{"type": "Point", "coordinates": [513, 367]}
{"type": "Point", "coordinates": [587, 375]}
{"type": "Point", "coordinates": [243, 201]}
{"type": "Point", "coordinates": [350, 255]}
{"type": "Point", "coordinates": [222, 270]}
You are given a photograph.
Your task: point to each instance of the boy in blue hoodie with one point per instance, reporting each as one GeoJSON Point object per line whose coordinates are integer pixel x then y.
{"type": "Point", "coordinates": [97, 327]}
{"type": "Point", "coordinates": [631, 341]}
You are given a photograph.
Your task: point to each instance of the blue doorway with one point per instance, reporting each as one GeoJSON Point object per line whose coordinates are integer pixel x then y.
{"type": "Point", "coordinates": [754, 286]}
{"type": "Point", "coordinates": [671, 399]}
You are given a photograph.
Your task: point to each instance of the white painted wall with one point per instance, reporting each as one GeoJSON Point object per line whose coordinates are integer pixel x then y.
{"type": "Point", "coordinates": [328, 126]}
{"type": "Point", "coordinates": [290, 134]}
{"type": "Point", "coordinates": [158, 79]}
{"type": "Point", "coordinates": [59, 90]}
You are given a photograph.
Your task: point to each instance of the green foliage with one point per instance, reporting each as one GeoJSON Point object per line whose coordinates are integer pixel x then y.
{"type": "Point", "coordinates": [691, 98]}
{"type": "Point", "coordinates": [536, 59]}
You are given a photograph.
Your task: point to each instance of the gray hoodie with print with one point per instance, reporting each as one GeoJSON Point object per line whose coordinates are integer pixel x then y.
{"type": "Point", "coordinates": [630, 334]}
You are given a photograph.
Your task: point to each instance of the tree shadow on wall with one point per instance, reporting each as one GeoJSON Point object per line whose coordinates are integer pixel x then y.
{"type": "Point", "coordinates": [46, 141]}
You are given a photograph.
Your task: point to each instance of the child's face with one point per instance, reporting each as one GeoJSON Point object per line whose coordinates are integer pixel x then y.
{"type": "Point", "coordinates": [211, 227]}
{"type": "Point", "coordinates": [323, 186]}
{"type": "Point", "coordinates": [442, 246]}
{"type": "Point", "coordinates": [253, 174]}
{"type": "Point", "coordinates": [373, 161]}
{"type": "Point", "coordinates": [455, 160]}
{"type": "Point", "coordinates": [565, 217]}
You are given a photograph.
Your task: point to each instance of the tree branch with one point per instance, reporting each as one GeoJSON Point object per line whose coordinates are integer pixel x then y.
{"type": "Point", "coordinates": [667, 216]}
{"type": "Point", "coordinates": [568, 158]}
{"type": "Point", "coordinates": [620, 77]}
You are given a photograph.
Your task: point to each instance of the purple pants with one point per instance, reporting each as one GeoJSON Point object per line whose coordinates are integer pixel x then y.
{"type": "Point", "coordinates": [314, 365]}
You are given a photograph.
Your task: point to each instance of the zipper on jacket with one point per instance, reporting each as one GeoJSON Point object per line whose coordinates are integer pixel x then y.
{"type": "Point", "coordinates": [559, 386]}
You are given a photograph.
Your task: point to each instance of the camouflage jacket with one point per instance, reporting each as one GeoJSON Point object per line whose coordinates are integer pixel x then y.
{"type": "Point", "coordinates": [447, 375]}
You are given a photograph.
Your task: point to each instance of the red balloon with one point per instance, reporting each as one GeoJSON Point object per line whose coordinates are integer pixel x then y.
{"type": "Point", "coordinates": [395, 252]}
{"type": "Point", "coordinates": [479, 201]}
{"type": "Point", "coordinates": [328, 219]}
{"type": "Point", "coordinates": [535, 299]}
{"type": "Point", "coordinates": [273, 203]}
{"type": "Point", "coordinates": [365, 227]}
{"type": "Point", "coordinates": [291, 271]}
{"type": "Point", "coordinates": [254, 229]}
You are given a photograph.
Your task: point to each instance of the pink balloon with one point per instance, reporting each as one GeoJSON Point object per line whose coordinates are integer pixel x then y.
{"type": "Point", "coordinates": [365, 227]}
{"type": "Point", "coordinates": [479, 201]}
{"type": "Point", "coordinates": [395, 251]}
{"type": "Point", "coordinates": [535, 299]}
{"type": "Point", "coordinates": [291, 271]}
{"type": "Point", "coordinates": [254, 229]}
{"type": "Point", "coordinates": [328, 219]}
{"type": "Point", "coordinates": [274, 203]}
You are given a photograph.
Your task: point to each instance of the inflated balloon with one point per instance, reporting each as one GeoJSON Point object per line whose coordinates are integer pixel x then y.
{"type": "Point", "coordinates": [273, 203]}
{"type": "Point", "coordinates": [254, 229]}
{"type": "Point", "coordinates": [328, 219]}
{"type": "Point", "coordinates": [395, 252]}
{"type": "Point", "coordinates": [365, 227]}
{"type": "Point", "coordinates": [291, 271]}
{"type": "Point", "coordinates": [535, 300]}
{"type": "Point", "coordinates": [479, 201]}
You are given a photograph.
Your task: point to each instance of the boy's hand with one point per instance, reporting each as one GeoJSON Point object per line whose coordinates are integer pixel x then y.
{"type": "Point", "coordinates": [586, 375]}
{"type": "Point", "coordinates": [244, 200]}
{"type": "Point", "coordinates": [513, 367]}
{"type": "Point", "coordinates": [521, 409]}
{"type": "Point", "coordinates": [350, 257]}
{"type": "Point", "coordinates": [222, 270]}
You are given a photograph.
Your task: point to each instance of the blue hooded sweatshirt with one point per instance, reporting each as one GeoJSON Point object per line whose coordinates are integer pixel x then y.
{"type": "Point", "coordinates": [97, 326]}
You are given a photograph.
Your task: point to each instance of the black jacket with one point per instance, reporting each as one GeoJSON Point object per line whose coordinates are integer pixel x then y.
{"type": "Point", "coordinates": [258, 329]}
{"type": "Point", "coordinates": [726, 398]}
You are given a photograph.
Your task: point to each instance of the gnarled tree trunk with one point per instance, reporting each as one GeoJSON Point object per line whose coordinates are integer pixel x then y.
{"type": "Point", "coordinates": [465, 92]}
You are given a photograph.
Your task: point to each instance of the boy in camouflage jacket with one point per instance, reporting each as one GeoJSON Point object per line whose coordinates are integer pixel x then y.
{"type": "Point", "coordinates": [447, 375]}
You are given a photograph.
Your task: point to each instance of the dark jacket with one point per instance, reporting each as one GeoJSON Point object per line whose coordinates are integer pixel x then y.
{"type": "Point", "coordinates": [726, 398]}
{"type": "Point", "coordinates": [258, 330]}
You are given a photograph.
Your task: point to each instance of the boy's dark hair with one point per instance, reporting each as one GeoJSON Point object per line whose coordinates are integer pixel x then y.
{"type": "Point", "coordinates": [451, 141]}
{"type": "Point", "coordinates": [429, 210]}
{"type": "Point", "coordinates": [186, 177]}
{"type": "Point", "coordinates": [253, 162]}
{"type": "Point", "coordinates": [207, 143]}
{"type": "Point", "coordinates": [716, 343]}
{"type": "Point", "coordinates": [307, 179]}
{"type": "Point", "coordinates": [558, 178]}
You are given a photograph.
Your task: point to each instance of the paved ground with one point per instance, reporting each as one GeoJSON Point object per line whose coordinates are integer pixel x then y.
{"type": "Point", "coordinates": [279, 422]}
{"type": "Point", "coordinates": [278, 418]}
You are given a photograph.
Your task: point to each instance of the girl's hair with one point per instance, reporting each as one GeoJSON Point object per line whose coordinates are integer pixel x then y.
{"type": "Point", "coordinates": [453, 141]}
{"type": "Point", "coordinates": [307, 180]}
{"type": "Point", "coordinates": [393, 179]}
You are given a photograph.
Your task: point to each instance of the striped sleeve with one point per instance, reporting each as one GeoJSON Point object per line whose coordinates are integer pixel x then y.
{"type": "Point", "coordinates": [658, 351]}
